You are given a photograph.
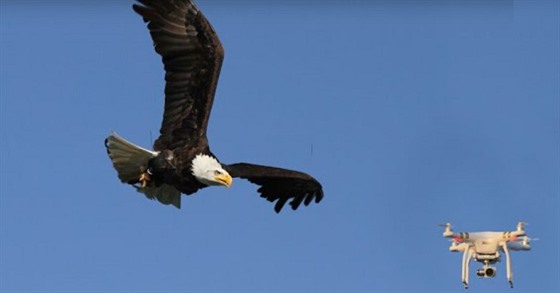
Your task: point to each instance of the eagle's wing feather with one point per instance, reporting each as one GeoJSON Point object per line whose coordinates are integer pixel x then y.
{"type": "Point", "coordinates": [192, 56]}
{"type": "Point", "coordinates": [279, 185]}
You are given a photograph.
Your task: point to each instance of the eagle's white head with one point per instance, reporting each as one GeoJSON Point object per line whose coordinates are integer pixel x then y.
{"type": "Point", "coordinates": [207, 170]}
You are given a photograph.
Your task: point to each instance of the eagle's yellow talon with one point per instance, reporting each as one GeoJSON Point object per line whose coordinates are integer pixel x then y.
{"type": "Point", "coordinates": [144, 179]}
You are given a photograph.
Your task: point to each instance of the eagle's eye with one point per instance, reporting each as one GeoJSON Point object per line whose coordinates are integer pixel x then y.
{"type": "Point", "coordinates": [217, 172]}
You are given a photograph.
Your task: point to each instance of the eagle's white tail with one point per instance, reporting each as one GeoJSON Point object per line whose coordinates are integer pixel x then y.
{"type": "Point", "coordinates": [131, 161]}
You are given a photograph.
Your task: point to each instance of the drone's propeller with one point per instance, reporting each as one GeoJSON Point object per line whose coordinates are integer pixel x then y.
{"type": "Point", "coordinates": [521, 225]}
{"type": "Point", "coordinates": [448, 232]}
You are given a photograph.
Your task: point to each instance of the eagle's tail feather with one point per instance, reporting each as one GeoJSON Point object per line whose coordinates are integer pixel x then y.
{"type": "Point", "coordinates": [128, 159]}
{"type": "Point", "coordinates": [131, 161]}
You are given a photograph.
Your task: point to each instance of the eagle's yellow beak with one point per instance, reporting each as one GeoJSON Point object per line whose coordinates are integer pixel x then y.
{"type": "Point", "coordinates": [224, 179]}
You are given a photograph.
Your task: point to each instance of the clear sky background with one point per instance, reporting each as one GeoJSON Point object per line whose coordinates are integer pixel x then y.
{"type": "Point", "coordinates": [410, 113]}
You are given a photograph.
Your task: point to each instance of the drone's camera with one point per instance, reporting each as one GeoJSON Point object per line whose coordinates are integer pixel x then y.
{"type": "Point", "coordinates": [490, 272]}
{"type": "Point", "coordinates": [486, 272]}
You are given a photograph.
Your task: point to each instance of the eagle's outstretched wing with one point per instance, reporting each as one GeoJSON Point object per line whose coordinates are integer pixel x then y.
{"type": "Point", "coordinates": [279, 185]}
{"type": "Point", "coordinates": [192, 56]}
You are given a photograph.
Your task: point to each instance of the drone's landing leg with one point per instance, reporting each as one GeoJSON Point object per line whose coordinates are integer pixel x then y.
{"type": "Point", "coordinates": [508, 265]}
{"type": "Point", "coordinates": [467, 254]}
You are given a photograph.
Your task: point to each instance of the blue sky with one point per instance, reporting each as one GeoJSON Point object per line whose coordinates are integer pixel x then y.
{"type": "Point", "coordinates": [410, 113]}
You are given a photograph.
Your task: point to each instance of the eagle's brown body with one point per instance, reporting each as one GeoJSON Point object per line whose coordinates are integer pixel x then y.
{"type": "Point", "coordinates": [192, 56]}
{"type": "Point", "coordinates": [173, 167]}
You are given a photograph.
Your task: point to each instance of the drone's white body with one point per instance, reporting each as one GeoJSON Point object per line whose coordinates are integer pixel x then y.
{"type": "Point", "coordinates": [486, 247]}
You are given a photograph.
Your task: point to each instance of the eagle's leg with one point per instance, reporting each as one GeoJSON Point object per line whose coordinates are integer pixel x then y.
{"type": "Point", "coordinates": [144, 179]}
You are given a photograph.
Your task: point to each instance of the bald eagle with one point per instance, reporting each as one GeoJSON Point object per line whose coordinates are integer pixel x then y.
{"type": "Point", "coordinates": [181, 161]}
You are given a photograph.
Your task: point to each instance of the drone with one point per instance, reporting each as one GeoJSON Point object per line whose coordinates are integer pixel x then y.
{"type": "Point", "coordinates": [485, 247]}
